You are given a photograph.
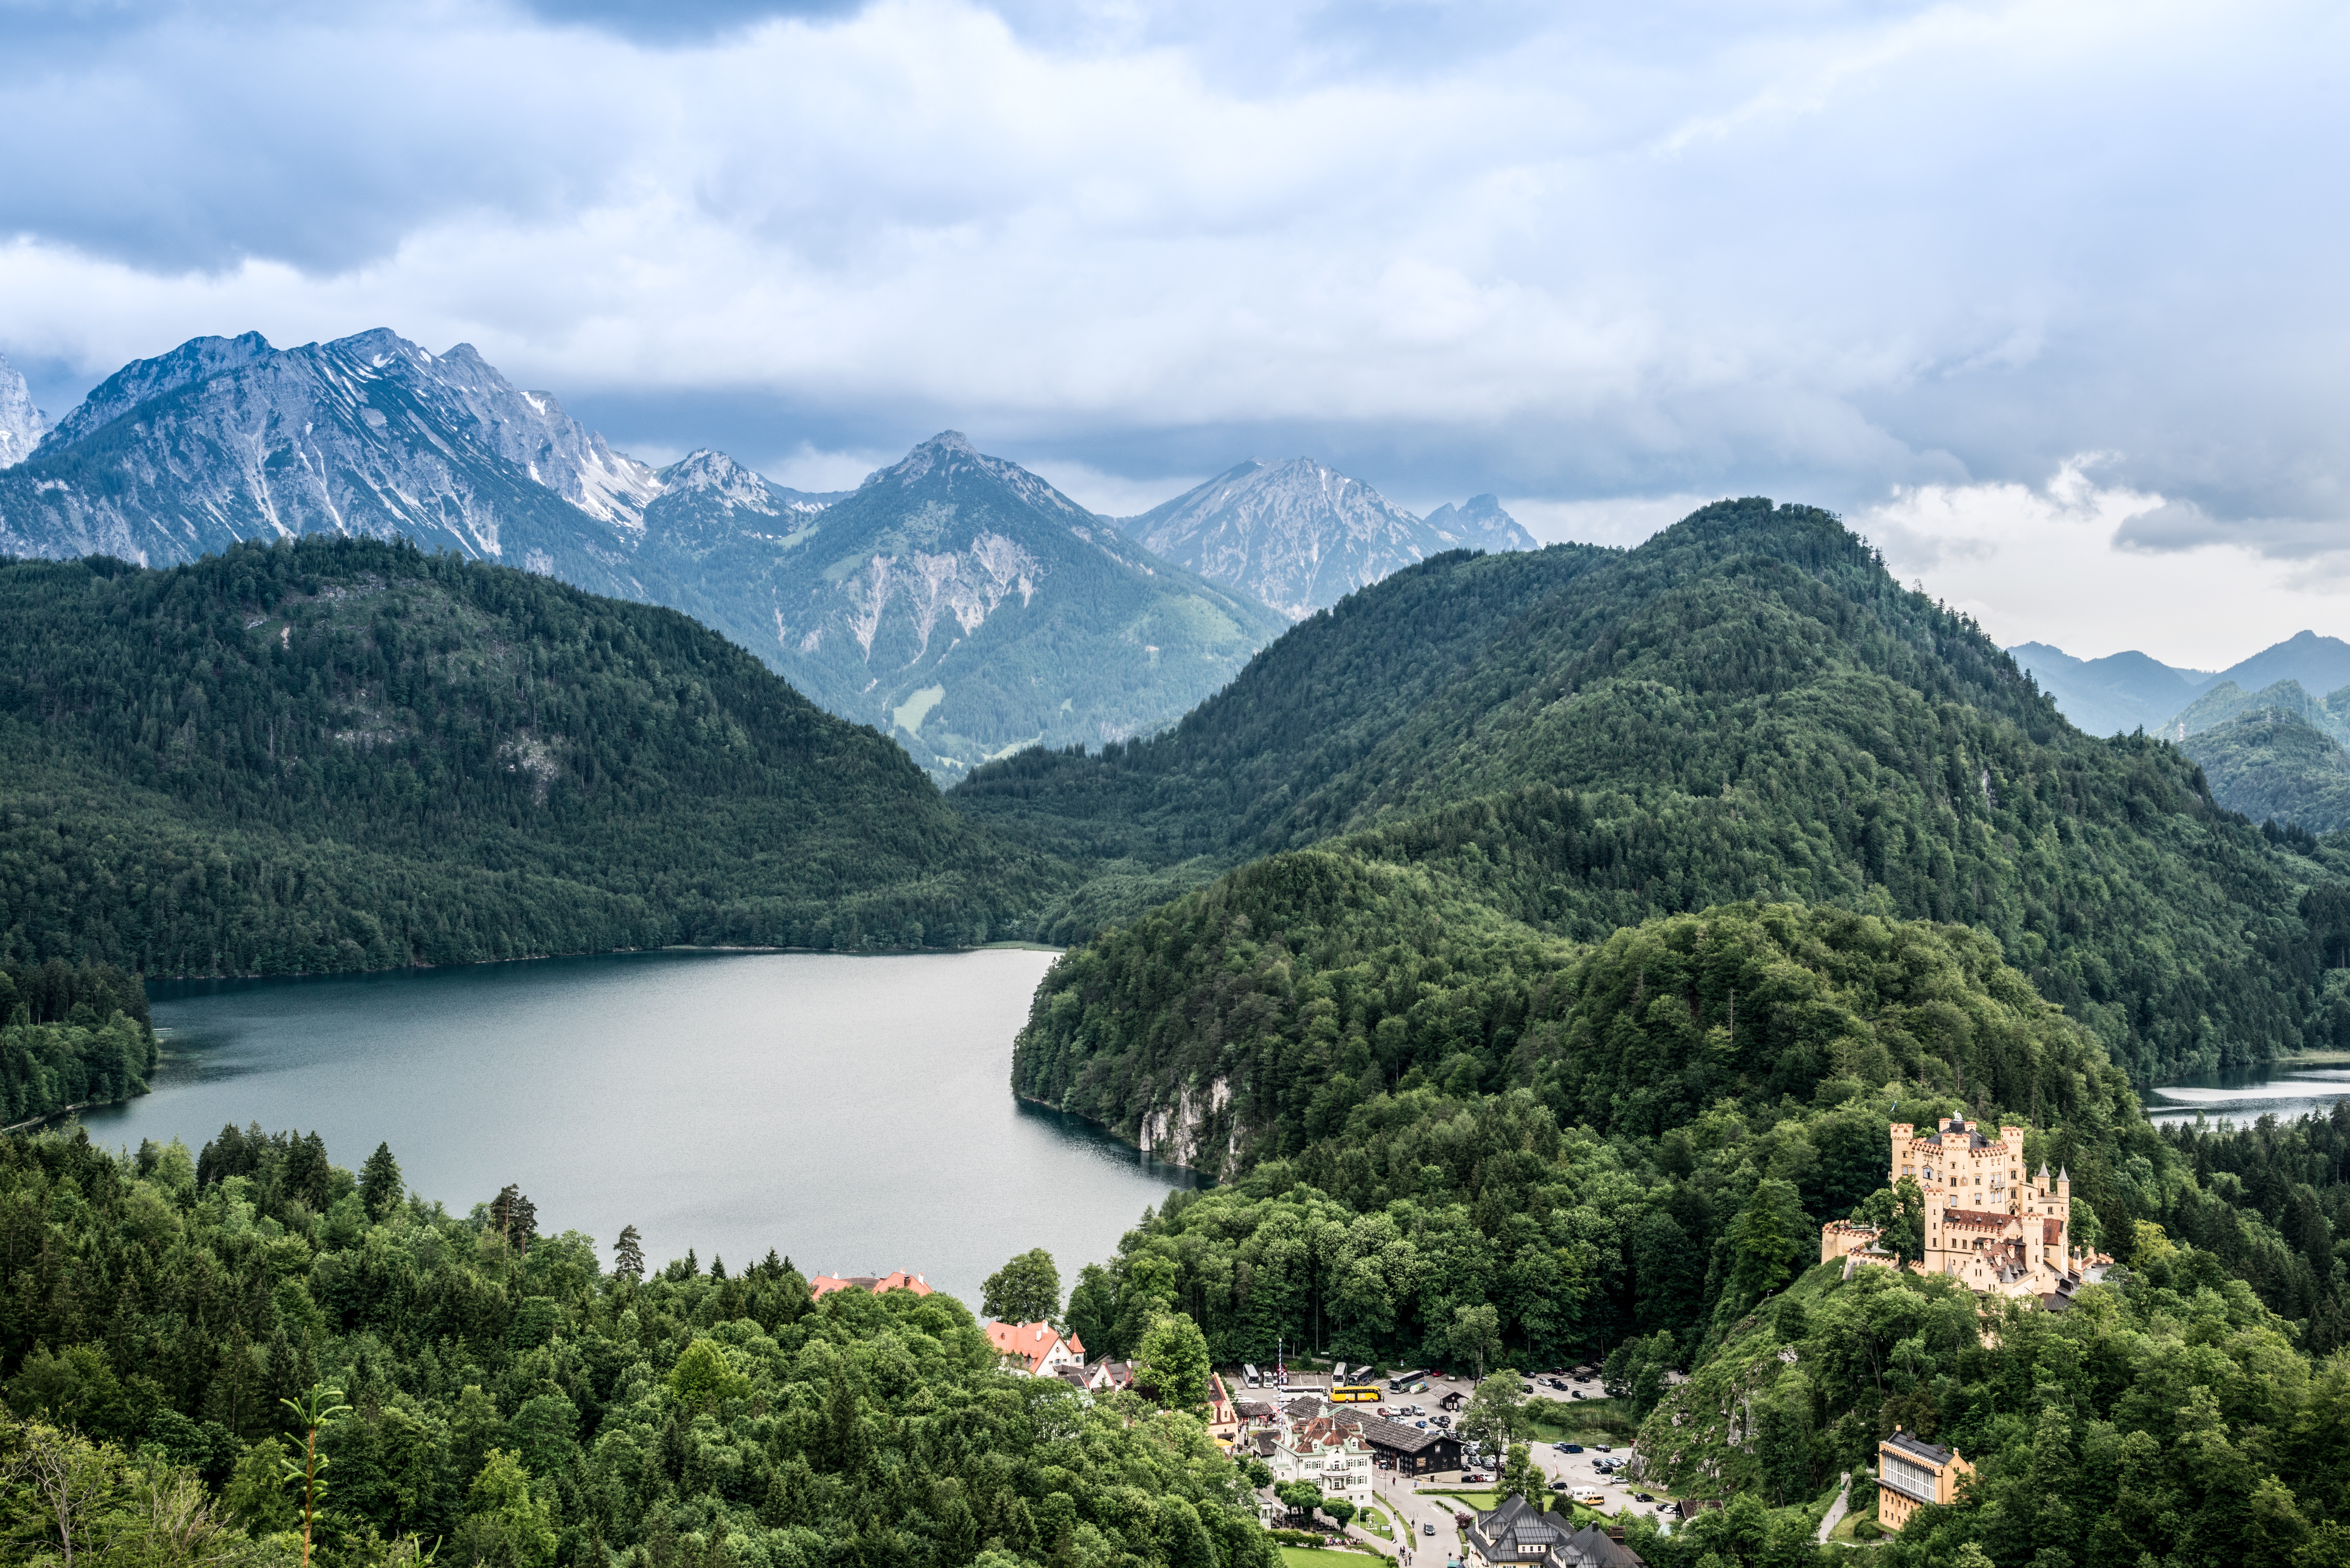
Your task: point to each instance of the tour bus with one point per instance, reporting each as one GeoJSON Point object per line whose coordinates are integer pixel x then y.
{"type": "Point", "coordinates": [1357, 1394]}
{"type": "Point", "coordinates": [1254, 1381]}
{"type": "Point", "coordinates": [1401, 1383]}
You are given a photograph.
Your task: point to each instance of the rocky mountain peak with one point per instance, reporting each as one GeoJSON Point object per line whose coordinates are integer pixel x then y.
{"type": "Point", "coordinates": [1479, 523]}
{"type": "Point", "coordinates": [1299, 535]}
{"type": "Point", "coordinates": [21, 423]}
{"type": "Point", "coordinates": [144, 380]}
{"type": "Point", "coordinates": [715, 477]}
{"type": "Point", "coordinates": [951, 456]}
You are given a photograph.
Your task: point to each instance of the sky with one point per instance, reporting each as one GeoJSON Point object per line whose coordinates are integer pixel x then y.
{"type": "Point", "coordinates": [2047, 299]}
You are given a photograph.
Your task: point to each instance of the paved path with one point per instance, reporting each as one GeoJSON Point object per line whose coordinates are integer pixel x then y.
{"type": "Point", "coordinates": [1837, 1509]}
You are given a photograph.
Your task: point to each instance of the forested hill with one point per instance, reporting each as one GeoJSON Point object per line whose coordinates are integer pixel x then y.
{"type": "Point", "coordinates": [494, 1397]}
{"type": "Point", "coordinates": [344, 754]}
{"type": "Point", "coordinates": [1747, 706]}
{"type": "Point", "coordinates": [1225, 783]}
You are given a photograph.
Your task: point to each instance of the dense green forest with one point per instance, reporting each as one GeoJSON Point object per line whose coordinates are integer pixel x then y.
{"type": "Point", "coordinates": [70, 1034]}
{"type": "Point", "coordinates": [2275, 764]}
{"type": "Point", "coordinates": [1747, 706]}
{"type": "Point", "coordinates": [344, 755]}
{"type": "Point", "coordinates": [2167, 1419]}
{"type": "Point", "coordinates": [511, 1403]}
{"type": "Point", "coordinates": [1638, 1168]}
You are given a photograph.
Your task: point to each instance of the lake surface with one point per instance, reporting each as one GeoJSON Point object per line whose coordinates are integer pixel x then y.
{"type": "Point", "coordinates": [855, 1114]}
{"type": "Point", "coordinates": [2283, 1090]}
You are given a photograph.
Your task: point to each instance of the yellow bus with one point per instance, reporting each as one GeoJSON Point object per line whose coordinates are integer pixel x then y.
{"type": "Point", "coordinates": [1357, 1394]}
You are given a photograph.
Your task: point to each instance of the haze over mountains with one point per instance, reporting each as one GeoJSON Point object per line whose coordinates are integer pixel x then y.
{"type": "Point", "coordinates": [954, 600]}
{"type": "Point", "coordinates": [2270, 731]}
{"type": "Point", "coordinates": [1300, 536]}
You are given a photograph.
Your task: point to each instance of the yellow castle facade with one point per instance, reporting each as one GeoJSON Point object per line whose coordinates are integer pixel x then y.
{"type": "Point", "coordinates": [1987, 1223]}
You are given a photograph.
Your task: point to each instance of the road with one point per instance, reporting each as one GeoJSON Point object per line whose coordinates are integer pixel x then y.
{"type": "Point", "coordinates": [1402, 1500]}
{"type": "Point", "coordinates": [1837, 1509]}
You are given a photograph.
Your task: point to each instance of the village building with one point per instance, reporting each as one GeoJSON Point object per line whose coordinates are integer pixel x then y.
{"type": "Point", "coordinates": [1516, 1533]}
{"type": "Point", "coordinates": [824, 1285]}
{"type": "Point", "coordinates": [1223, 1415]}
{"type": "Point", "coordinates": [1036, 1348]}
{"type": "Point", "coordinates": [1911, 1473]}
{"type": "Point", "coordinates": [1413, 1450]}
{"type": "Point", "coordinates": [1986, 1224]}
{"type": "Point", "coordinates": [1329, 1453]}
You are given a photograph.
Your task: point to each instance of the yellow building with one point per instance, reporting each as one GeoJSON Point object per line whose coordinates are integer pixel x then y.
{"type": "Point", "coordinates": [1911, 1473]}
{"type": "Point", "coordinates": [1986, 1224]}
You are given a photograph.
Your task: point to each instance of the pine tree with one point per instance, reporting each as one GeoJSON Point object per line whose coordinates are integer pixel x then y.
{"type": "Point", "coordinates": [380, 1182]}
{"type": "Point", "coordinates": [516, 1217]}
{"type": "Point", "coordinates": [628, 1255]}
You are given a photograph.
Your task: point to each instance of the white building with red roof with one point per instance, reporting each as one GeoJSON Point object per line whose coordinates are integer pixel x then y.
{"type": "Point", "coordinates": [1036, 1348]}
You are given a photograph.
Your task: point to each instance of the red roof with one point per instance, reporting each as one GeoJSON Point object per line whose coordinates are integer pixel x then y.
{"type": "Point", "coordinates": [1031, 1342]}
{"type": "Point", "coordinates": [825, 1284]}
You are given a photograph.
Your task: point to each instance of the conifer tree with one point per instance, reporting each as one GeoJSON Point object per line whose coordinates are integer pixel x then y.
{"type": "Point", "coordinates": [629, 1254]}
{"type": "Point", "coordinates": [380, 1182]}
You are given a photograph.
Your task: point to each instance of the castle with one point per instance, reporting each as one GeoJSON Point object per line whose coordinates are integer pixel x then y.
{"type": "Point", "coordinates": [1986, 1224]}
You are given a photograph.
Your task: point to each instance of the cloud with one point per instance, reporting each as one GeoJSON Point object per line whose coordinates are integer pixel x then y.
{"type": "Point", "coordinates": [1817, 251]}
{"type": "Point", "coordinates": [2097, 567]}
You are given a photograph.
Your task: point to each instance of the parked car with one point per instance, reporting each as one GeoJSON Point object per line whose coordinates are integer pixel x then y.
{"type": "Point", "coordinates": [1441, 1420]}
{"type": "Point", "coordinates": [1644, 1497]}
{"type": "Point", "coordinates": [1559, 1486]}
{"type": "Point", "coordinates": [1574, 1392]}
{"type": "Point", "coordinates": [1470, 1477]}
{"type": "Point", "coordinates": [1570, 1447]}
{"type": "Point", "coordinates": [1592, 1497]}
{"type": "Point", "coordinates": [1603, 1448]}
{"type": "Point", "coordinates": [1525, 1387]}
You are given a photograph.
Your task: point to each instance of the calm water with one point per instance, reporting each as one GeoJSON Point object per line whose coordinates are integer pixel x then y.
{"type": "Point", "coordinates": [852, 1113]}
{"type": "Point", "coordinates": [2283, 1091]}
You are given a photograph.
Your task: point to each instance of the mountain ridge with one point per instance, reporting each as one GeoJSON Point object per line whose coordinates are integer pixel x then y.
{"type": "Point", "coordinates": [1299, 535]}
{"type": "Point", "coordinates": [226, 439]}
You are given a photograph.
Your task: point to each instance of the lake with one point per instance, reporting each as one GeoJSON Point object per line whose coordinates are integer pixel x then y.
{"type": "Point", "coordinates": [854, 1113]}
{"type": "Point", "coordinates": [2282, 1090]}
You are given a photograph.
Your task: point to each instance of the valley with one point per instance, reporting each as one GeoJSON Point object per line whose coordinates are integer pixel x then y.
{"type": "Point", "coordinates": [1528, 952]}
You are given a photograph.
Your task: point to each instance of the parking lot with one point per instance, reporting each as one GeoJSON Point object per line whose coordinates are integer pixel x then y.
{"type": "Point", "coordinates": [1406, 1495]}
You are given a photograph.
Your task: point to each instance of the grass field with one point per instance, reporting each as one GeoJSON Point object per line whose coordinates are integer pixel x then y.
{"type": "Point", "coordinates": [1312, 1556]}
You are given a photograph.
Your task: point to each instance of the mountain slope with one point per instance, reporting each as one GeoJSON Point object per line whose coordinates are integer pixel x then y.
{"type": "Point", "coordinates": [2273, 763]}
{"type": "Point", "coordinates": [346, 754]}
{"type": "Point", "coordinates": [2316, 663]}
{"type": "Point", "coordinates": [1747, 706]}
{"type": "Point", "coordinates": [229, 439]}
{"type": "Point", "coordinates": [21, 424]}
{"type": "Point", "coordinates": [1218, 787]}
{"type": "Point", "coordinates": [960, 603]}
{"type": "Point", "coordinates": [1300, 536]}
{"type": "Point", "coordinates": [2113, 695]}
